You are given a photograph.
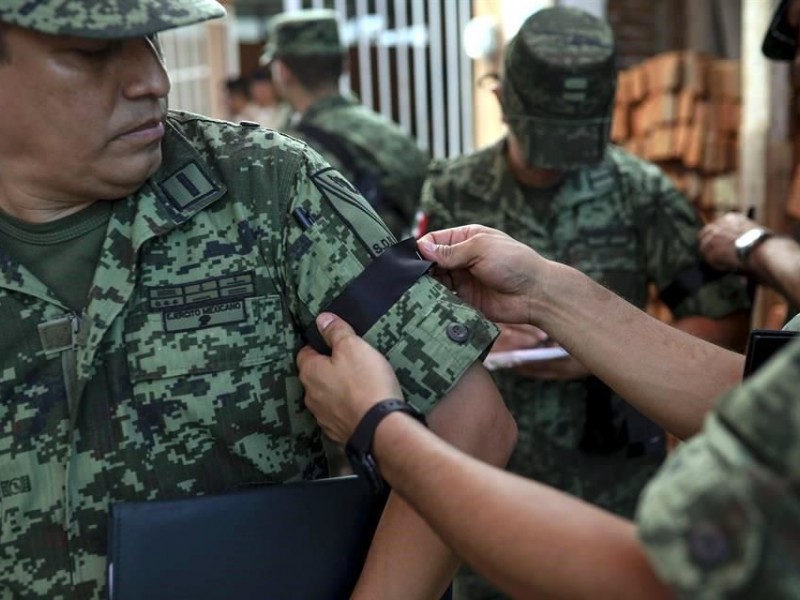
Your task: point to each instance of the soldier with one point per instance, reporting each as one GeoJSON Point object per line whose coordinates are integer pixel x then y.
{"type": "Point", "coordinates": [158, 273]}
{"type": "Point", "coordinates": [557, 185]}
{"type": "Point", "coordinates": [386, 165]}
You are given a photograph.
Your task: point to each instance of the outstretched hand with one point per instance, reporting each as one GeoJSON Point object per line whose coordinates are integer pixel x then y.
{"type": "Point", "coordinates": [486, 268]}
{"type": "Point", "coordinates": [341, 388]}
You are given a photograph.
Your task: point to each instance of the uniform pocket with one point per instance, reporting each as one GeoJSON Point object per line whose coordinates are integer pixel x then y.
{"type": "Point", "coordinates": [206, 339]}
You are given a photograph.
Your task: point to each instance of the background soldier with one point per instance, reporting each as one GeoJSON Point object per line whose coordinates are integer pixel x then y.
{"type": "Point", "coordinates": [386, 165]}
{"type": "Point", "coordinates": [557, 185]}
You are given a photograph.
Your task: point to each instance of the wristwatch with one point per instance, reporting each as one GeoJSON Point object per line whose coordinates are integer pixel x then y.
{"type": "Point", "coordinates": [747, 242]}
{"type": "Point", "coordinates": [359, 447]}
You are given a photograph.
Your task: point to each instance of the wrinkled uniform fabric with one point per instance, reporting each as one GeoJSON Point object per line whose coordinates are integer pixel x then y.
{"type": "Point", "coordinates": [181, 378]}
{"type": "Point", "coordinates": [379, 147]}
{"type": "Point", "coordinates": [623, 224]}
{"type": "Point", "coordinates": [722, 518]}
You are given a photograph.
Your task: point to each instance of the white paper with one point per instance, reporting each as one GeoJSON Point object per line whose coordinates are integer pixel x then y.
{"type": "Point", "coordinates": [512, 358]}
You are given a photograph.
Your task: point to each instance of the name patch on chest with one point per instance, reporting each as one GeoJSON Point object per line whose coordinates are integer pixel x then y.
{"type": "Point", "coordinates": [199, 317]}
{"type": "Point", "coordinates": [206, 303]}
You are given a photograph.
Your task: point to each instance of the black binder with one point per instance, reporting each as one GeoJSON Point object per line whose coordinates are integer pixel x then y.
{"type": "Point", "coordinates": [295, 541]}
{"type": "Point", "coordinates": [762, 345]}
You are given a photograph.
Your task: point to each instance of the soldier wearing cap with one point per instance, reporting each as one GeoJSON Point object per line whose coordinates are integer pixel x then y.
{"type": "Point", "coordinates": [158, 273]}
{"type": "Point", "coordinates": [556, 184]}
{"type": "Point", "coordinates": [721, 519]}
{"type": "Point", "coordinates": [307, 59]}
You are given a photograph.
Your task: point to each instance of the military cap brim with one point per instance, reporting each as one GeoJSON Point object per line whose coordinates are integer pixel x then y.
{"type": "Point", "coordinates": [111, 19]}
{"type": "Point", "coordinates": [780, 41]}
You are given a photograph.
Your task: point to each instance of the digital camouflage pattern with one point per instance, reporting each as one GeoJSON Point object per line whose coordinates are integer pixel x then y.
{"type": "Point", "coordinates": [382, 157]}
{"type": "Point", "coordinates": [722, 518]}
{"type": "Point", "coordinates": [559, 80]}
{"type": "Point", "coordinates": [302, 33]}
{"type": "Point", "coordinates": [179, 378]}
{"type": "Point", "coordinates": [623, 224]}
{"type": "Point", "coordinates": [107, 19]}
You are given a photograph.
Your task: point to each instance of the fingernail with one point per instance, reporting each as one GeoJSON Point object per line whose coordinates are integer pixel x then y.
{"type": "Point", "coordinates": [324, 320]}
{"type": "Point", "coordinates": [428, 247]}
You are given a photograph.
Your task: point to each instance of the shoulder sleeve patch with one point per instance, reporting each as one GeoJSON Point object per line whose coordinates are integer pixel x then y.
{"type": "Point", "coordinates": [353, 209]}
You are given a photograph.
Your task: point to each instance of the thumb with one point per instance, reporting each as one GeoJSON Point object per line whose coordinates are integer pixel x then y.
{"type": "Point", "coordinates": [456, 256]}
{"type": "Point", "coordinates": [333, 329]}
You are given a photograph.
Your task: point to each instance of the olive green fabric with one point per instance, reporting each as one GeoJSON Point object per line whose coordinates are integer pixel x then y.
{"type": "Point", "coordinates": [722, 518]}
{"type": "Point", "coordinates": [63, 253]}
{"type": "Point", "coordinates": [313, 32]}
{"type": "Point", "coordinates": [558, 86]}
{"type": "Point", "coordinates": [626, 226]}
{"type": "Point", "coordinates": [379, 153]}
{"type": "Point", "coordinates": [179, 378]}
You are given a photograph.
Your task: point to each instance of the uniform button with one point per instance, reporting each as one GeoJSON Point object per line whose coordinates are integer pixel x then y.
{"type": "Point", "coordinates": [458, 333]}
{"type": "Point", "coordinates": [708, 545]}
{"type": "Point", "coordinates": [250, 124]}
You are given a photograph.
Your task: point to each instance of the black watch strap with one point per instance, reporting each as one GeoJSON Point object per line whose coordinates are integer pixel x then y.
{"type": "Point", "coordinates": [359, 447]}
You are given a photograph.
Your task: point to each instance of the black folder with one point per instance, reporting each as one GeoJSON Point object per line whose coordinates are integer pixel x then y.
{"type": "Point", "coordinates": [762, 345]}
{"type": "Point", "coordinates": [294, 541]}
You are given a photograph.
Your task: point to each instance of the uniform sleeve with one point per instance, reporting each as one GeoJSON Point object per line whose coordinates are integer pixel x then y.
{"type": "Point", "coordinates": [670, 226]}
{"type": "Point", "coordinates": [331, 234]}
{"type": "Point", "coordinates": [722, 518]}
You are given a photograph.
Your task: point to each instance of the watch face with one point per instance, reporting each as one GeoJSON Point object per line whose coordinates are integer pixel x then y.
{"type": "Point", "coordinates": [748, 238]}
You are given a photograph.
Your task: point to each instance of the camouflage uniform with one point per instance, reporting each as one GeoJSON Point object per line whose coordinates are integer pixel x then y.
{"type": "Point", "coordinates": [373, 152]}
{"type": "Point", "coordinates": [615, 217]}
{"type": "Point", "coordinates": [179, 378]}
{"type": "Point", "coordinates": [722, 518]}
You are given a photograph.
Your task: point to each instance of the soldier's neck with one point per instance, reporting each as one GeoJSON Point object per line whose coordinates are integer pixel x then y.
{"type": "Point", "coordinates": [35, 208]}
{"type": "Point", "coordinates": [305, 99]}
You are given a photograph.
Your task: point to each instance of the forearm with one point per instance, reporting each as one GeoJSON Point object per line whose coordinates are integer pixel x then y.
{"type": "Point", "coordinates": [729, 331]}
{"type": "Point", "coordinates": [529, 540]}
{"type": "Point", "coordinates": [776, 262]}
{"type": "Point", "coordinates": [407, 560]}
{"type": "Point", "coordinates": [672, 377]}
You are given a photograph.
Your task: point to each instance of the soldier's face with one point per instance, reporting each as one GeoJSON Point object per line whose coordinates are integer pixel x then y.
{"type": "Point", "coordinates": [79, 118]}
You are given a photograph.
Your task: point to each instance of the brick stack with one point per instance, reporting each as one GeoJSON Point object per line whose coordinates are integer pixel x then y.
{"type": "Point", "coordinates": [681, 110]}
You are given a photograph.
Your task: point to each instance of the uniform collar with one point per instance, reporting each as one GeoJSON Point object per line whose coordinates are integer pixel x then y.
{"type": "Point", "coordinates": [327, 103]}
{"type": "Point", "coordinates": [577, 186]}
{"type": "Point", "coordinates": [183, 185]}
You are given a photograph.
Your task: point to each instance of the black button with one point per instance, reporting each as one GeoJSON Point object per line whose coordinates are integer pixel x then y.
{"type": "Point", "coordinates": [251, 124]}
{"type": "Point", "coordinates": [708, 545]}
{"type": "Point", "coordinates": [458, 333]}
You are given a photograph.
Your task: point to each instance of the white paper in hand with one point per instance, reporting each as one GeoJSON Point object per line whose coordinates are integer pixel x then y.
{"type": "Point", "coordinates": [512, 358]}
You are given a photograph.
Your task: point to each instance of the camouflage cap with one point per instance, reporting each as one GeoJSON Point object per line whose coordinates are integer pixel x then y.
{"type": "Point", "coordinates": [780, 41]}
{"type": "Point", "coordinates": [558, 86]}
{"type": "Point", "coordinates": [302, 33]}
{"type": "Point", "coordinates": [107, 19]}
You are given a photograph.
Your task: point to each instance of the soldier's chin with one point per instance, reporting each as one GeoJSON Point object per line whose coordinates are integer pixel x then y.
{"type": "Point", "coordinates": [128, 178]}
